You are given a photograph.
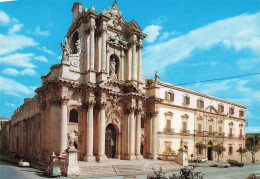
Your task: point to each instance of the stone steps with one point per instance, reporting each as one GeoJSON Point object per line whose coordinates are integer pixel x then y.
{"type": "Point", "coordinates": [110, 169]}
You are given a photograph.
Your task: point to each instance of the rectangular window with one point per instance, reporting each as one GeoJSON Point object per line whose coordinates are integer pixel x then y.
{"type": "Point", "coordinates": [230, 132]}
{"type": "Point", "coordinates": [169, 124]}
{"type": "Point", "coordinates": [230, 150]}
{"type": "Point", "coordinates": [184, 127]}
{"type": "Point", "coordinates": [199, 128]}
{"type": "Point", "coordinates": [240, 133]}
{"type": "Point", "coordinates": [221, 108]}
{"type": "Point", "coordinates": [210, 129]}
{"type": "Point", "coordinates": [220, 130]}
{"type": "Point", "coordinates": [241, 113]}
{"type": "Point", "coordinates": [186, 100]}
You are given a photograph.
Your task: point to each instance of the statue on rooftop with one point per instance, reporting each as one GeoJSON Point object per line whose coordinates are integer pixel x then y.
{"type": "Point", "coordinates": [66, 50]}
{"type": "Point", "coordinates": [156, 76]}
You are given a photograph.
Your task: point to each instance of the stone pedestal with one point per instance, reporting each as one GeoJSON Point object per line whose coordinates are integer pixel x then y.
{"type": "Point", "coordinates": [131, 157]}
{"type": "Point", "coordinates": [102, 76]}
{"type": "Point", "coordinates": [91, 76]}
{"type": "Point", "coordinates": [182, 157]}
{"type": "Point", "coordinates": [71, 167]}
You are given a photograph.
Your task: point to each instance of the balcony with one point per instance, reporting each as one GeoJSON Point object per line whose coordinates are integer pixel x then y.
{"type": "Point", "coordinates": [230, 135]}
{"type": "Point", "coordinates": [242, 137]}
{"type": "Point", "coordinates": [168, 131]}
{"type": "Point", "coordinates": [187, 132]}
{"type": "Point", "coordinates": [221, 134]}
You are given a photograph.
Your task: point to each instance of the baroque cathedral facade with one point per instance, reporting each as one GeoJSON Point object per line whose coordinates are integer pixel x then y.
{"type": "Point", "coordinates": [99, 94]}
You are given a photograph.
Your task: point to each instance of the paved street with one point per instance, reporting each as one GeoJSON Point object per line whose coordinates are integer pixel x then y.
{"type": "Point", "coordinates": [12, 171]}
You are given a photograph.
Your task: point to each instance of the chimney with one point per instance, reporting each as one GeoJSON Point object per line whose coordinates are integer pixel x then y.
{"type": "Point", "coordinates": [76, 10]}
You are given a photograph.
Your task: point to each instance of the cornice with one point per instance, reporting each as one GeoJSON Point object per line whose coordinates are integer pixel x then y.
{"type": "Point", "coordinates": [172, 86]}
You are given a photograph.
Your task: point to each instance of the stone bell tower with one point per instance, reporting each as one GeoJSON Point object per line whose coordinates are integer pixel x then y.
{"type": "Point", "coordinates": [109, 46]}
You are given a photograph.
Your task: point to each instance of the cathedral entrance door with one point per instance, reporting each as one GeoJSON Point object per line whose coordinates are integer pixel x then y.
{"type": "Point", "coordinates": [110, 143]}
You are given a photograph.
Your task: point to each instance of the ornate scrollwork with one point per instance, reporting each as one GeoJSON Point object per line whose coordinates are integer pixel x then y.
{"type": "Point", "coordinates": [91, 103]}
{"type": "Point", "coordinates": [55, 101]}
{"type": "Point", "coordinates": [118, 41]}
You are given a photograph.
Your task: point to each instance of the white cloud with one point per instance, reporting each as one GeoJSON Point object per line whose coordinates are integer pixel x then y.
{"type": "Point", "coordinates": [18, 59]}
{"type": "Point", "coordinates": [213, 63]}
{"type": "Point", "coordinates": [11, 43]}
{"type": "Point", "coordinates": [41, 58]}
{"type": "Point", "coordinates": [255, 129]}
{"type": "Point", "coordinates": [15, 28]}
{"type": "Point", "coordinates": [11, 71]}
{"type": "Point", "coordinates": [28, 71]}
{"type": "Point", "coordinates": [44, 49]}
{"type": "Point", "coordinates": [166, 35]}
{"type": "Point", "coordinates": [59, 57]}
{"type": "Point", "coordinates": [4, 18]}
{"type": "Point", "coordinates": [14, 72]}
{"type": "Point", "coordinates": [152, 31]}
{"type": "Point", "coordinates": [11, 87]}
{"type": "Point", "coordinates": [38, 31]}
{"type": "Point", "coordinates": [238, 32]}
{"type": "Point", "coordinates": [212, 88]}
{"type": "Point", "coordinates": [10, 104]}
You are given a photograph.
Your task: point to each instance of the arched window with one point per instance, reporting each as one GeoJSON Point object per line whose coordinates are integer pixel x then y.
{"type": "Point", "coordinates": [73, 116]}
{"type": "Point", "coordinates": [200, 103]}
{"type": "Point", "coordinates": [231, 111]}
{"type": "Point", "coordinates": [75, 38]}
{"type": "Point", "coordinates": [169, 96]}
{"type": "Point", "coordinates": [220, 108]}
{"type": "Point", "coordinates": [241, 113]}
{"type": "Point", "coordinates": [186, 99]}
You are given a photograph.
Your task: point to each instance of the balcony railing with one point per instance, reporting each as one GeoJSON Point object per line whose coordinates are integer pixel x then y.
{"type": "Point", "coordinates": [185, 132]}
{"type": "Point", "coordinates": [168, 130]}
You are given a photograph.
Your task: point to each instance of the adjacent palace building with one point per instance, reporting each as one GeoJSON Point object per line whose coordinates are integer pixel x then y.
{"type": "Point", "coordinates": [99, 94]}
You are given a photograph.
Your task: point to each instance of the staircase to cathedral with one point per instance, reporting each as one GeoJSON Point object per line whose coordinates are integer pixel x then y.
{"type": "Point", "coordinates": [115, 166]}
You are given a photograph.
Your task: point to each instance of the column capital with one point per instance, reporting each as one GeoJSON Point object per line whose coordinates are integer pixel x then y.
{"type": "Point", "coordinates": [64, 100]}
{"type": "Point", "coordinates": [139, 111]}
{"type": "Point", "coordinates": [92, 27]}
{"type": "Point", "coordinates": [103, 105]}
{"type": "Point", "coordinates": [55, 101]}
{"type": "Point", "coordinates": [152, 113]}
{"type": "Point", "coordinates": [91, 103]}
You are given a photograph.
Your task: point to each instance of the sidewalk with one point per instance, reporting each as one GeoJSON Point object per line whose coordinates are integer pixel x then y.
{"type": "Point", "coordinates": [8, 159]}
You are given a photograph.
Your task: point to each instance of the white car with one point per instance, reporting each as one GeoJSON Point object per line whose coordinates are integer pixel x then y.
{"type": "Point", "coordinates": [203, 160]}
{"type": "Point", "coordinates": [223, 165]}
{"type": "Point", "coordinates": [23, 163]}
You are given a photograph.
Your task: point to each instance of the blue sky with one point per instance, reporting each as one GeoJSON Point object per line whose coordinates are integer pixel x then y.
{"type": "Point", "coordinates": [187, 41]}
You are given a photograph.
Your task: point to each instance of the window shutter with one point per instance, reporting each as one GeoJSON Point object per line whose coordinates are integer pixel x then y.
{"type": "Point", "coordinates": [188, 98]}
{"type": "Point", "coordinates": [172, 96]}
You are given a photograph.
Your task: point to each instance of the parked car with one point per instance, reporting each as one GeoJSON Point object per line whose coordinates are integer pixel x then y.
{"type": "Point", "coordinates": [52, 171]}
{"type": "Point", "coordinates": [213, 165]}
{"type": "Point", "coordinates": [223, 165]}
{"type": "Point", "coordinates": [235, 163]}
{"type": "Point", "coordinates": [203, 160]}
{"type": "Point", "coordinates": [23, 163]}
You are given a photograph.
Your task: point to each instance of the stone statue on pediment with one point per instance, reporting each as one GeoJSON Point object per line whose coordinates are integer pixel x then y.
{"type": "Point", "coordinates": [72, 138]}
{"type": "Point", "coordinates": [78, 46]}
{"type": "Point", "coordinates": [117, 40]}
{"type": "Point", "coordinates": [156, 76]}
{"type": "Point", "coordinates": [66, 50]}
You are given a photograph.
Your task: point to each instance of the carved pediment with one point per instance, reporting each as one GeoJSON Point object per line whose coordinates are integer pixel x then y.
{"type": "Point", "coordinates": [115, 85]}
{"type": "Point", "coordinates": [117, 40]}
{"type": "Point", "coordinates": [211, 109]}
{"type": "Point", "coordinates": [133, 25]}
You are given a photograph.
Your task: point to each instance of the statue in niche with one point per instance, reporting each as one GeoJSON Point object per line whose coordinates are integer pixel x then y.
{"type": "Point", "coordinates": [113, 67]}
{"type": "Point", "coordinates": [66, 50]}
{"type": "Point", "coordinates": [78, 46]}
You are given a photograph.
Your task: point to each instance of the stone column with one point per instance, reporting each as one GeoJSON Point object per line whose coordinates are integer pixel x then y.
{"type": "Point", "coordinates": [104, 49]}
{"type": "Point", "coordinates": [138, 136]}
{"type": "Point", "coordinates": [154, 136]}
{"type": "Point", "coordinates": [134, 62]}
{"type": "Point", "coordinates": [92, 46]}
{"type": "Point", "coordinates": [140, 61]}
{"type": "Point", "coordinates": [90, 131]}
{"type": "Point", "coordinates": [102, 131]}
{"type": "Point", "coordinates": [64, 126]}
{"type": "Point", "coordinates": [131, 155]}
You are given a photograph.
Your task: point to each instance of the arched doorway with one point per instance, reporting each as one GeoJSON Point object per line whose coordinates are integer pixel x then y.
{"type": "Point", "coordinates": [110, 143]}
{"type": "Point", "coordinates": [210, 150]}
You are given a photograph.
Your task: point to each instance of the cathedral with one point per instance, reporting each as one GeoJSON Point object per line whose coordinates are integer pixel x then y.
{"type": "Point", "coordinates": [99, 94]}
